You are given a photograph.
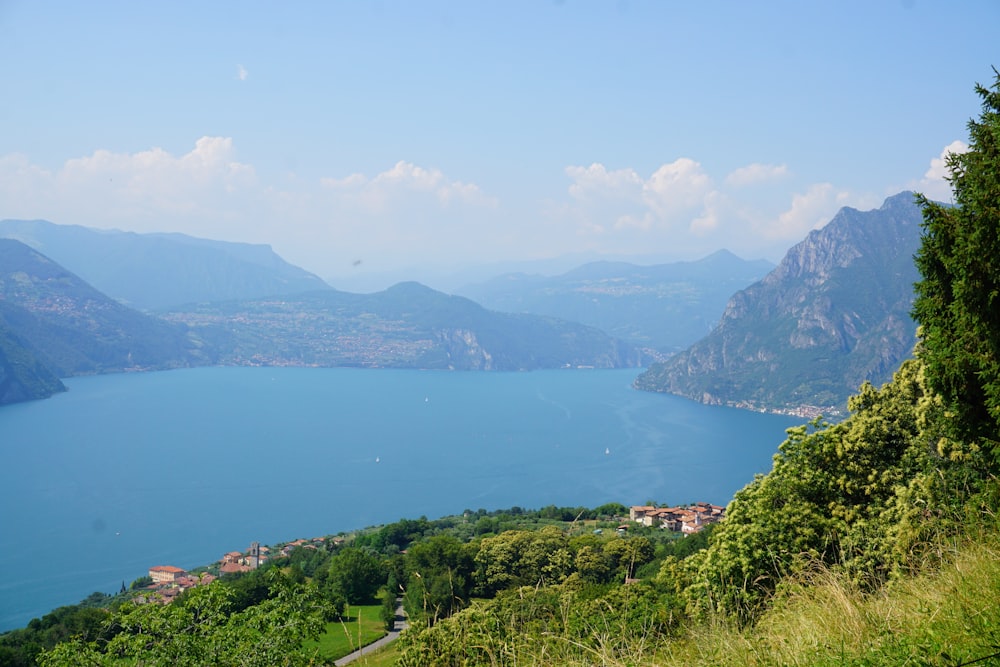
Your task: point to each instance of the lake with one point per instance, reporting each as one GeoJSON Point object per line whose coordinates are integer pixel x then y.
{"type": "Point", "coordinates": [124, 472]}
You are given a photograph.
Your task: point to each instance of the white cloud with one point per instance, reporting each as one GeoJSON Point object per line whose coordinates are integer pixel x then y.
{"type": "Point", "coordinates": [404, 180]}
{"type": "Point", "coordinates": [409, 214]}
{"type": "Point", "coordinates": [809, 210]}
{"type": "Point", "coordinates": [107, 188]}
{"type": "Point", "coordinates": [621, 199]}
{"type": "Point", "coordinates": [597, 181]}
{"type": "Point", "coordinates": [755, 173]}
{"type": "Point", "coordinates": [933, 185]}
{"type": "Point", "coordinates": [676, 187]}
{"type": "Point", "coordinates": [681, 211]}
{"type": "Point", "coordinates": [242, 73]}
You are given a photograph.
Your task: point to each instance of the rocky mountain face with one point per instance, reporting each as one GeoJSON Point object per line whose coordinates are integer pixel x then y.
{"type": "Point", "coordinates": [662, 308]}
{"type": "Point", "coordinates": [832, 315]}
{"type": "Point", "coordinates": [158, 271]}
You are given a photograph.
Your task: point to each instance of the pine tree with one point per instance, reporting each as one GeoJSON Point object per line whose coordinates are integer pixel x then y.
{"type": "Point", "coordinates": [958, 300]}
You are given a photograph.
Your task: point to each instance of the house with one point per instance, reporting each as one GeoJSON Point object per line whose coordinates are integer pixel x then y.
{"type": "Point", "coordinates": [638, 512]}
{"type": "Point", "coordinates": [165, 574]}
{"type": "Point", "coordinates": [230, 568]}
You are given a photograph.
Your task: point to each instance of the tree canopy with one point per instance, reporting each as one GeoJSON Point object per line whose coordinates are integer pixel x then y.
{"type": "Point", "coordinates": [958, 300]}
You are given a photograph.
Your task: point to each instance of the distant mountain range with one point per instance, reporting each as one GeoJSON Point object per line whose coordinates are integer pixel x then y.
{"type": "Point", "coordinates": [159, 271]}
{"type": "Point", "coordinates": [664, 307]}
{"type": "Point", "coordinates": [53, 324]}
{"type": "Point", "coordinates": [833, 314]}
{"type": "Point", "coordinates": [407, 326]}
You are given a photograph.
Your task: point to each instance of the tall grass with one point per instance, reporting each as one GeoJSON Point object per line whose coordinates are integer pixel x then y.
{"type": "Point", "coordinates": [946, 616]}
{"type": "Point", "coordinates": [950, 616]}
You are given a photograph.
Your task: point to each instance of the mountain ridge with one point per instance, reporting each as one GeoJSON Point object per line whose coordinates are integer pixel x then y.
{"type": "Point", "coordinates": [156, 271]}
{"type": "Point", "coordinates": [833, 314]}
{"type": "Point", "coordinates": [661, 308]}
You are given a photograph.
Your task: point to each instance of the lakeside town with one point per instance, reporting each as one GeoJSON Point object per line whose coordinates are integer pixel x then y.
{"type": "Point", "coordinates": [166, 582]}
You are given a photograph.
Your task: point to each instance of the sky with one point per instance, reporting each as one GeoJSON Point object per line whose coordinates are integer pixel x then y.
{"type": "Point", "coordinates": [364, 138]}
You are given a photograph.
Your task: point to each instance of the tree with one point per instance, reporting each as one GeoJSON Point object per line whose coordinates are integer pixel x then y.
{"type": "Point", "coordinates": [200, 628]}
{"type": "Point", "coordinates": [388, 609]}
{"type": "Point", "coordinates": [356, 574]}
{"type": "Point", "coordinates": [523, 558]}
{"type": "Point", "coordinates": [440, 572]}
{"type": "Point", "coordinates": [958, 299]}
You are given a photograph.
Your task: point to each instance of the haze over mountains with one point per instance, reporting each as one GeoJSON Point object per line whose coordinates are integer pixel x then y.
{"type": "Point", "coordinates": [158, 271]}
{"type": "Point", "coordinates": [833, 314]}
{"type": "Point", "coordinates": [666, 307]}
{"type": "Point", "coordinates": [54, 324]}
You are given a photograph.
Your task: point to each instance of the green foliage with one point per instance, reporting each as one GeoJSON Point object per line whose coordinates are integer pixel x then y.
{"type": "Point", "coordinates": [546, 625]}
{"type": "Point", "coordinates": [523, 558]}
{"type": "Point", "coordinates": [958, 298]}
{"type": "Point", "coordinates": [832, 497]}
{"type": "Point", "coordinates": [356, 574]}
{"type": "Point", "coordinates": [387, 609]}
{"type": "Point", "coordinates": [201, 628]}
{"type": "Point", "coordinates": [440, 578]}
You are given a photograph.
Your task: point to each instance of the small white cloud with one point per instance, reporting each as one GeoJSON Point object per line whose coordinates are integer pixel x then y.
{"type": "Point", "coordinates": [597, 181]}
{"type": "Point", "coordinates": [406, 179]}
{"type": "Point", "coordinates": [809, 210]}
{"type": "Point", "coordinates": [934, 184]}
{"type": "Point", "coordinates": [755, 173]}
{"type": "Point", "coordinates": [242, 73]}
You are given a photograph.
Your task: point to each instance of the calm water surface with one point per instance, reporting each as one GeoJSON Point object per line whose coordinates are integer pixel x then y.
{"type": "Point", "coordinates": [176, 468]}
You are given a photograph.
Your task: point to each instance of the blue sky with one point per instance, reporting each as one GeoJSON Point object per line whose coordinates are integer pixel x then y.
{"type": "Point", "coordinates": [364, 137]}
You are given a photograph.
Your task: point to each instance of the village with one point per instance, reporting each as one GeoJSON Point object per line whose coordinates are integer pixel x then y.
{"type": "Point", "coordinates": [686, 520]}
{"type": "Point", "coordinates": [168, 581]}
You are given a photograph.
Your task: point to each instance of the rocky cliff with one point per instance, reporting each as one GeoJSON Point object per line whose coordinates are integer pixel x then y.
{"type": "Point", "coordinates": [832, 315]}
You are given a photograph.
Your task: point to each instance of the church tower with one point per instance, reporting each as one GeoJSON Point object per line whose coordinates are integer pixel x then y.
{"type": "Point", "coordinates": [254, 555]}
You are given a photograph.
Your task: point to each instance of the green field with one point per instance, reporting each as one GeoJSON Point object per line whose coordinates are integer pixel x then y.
{"type": "Point", "coordinates": [361, 626]}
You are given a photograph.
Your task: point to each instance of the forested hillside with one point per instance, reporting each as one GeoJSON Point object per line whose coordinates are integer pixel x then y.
{"type": "Point", "coordinates": [888, 518]}
{"type": "Point", "coordinates": [73, 329]}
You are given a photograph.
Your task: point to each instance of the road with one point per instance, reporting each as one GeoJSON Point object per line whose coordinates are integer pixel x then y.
{"type": "Point", "coordinates": [399, 626]}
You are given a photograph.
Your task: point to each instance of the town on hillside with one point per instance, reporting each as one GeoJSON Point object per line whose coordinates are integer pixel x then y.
{"type": "Point", "coordinates": [686, 520]}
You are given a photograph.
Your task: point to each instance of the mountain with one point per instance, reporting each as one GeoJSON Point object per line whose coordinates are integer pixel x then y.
{"type": "Point", "coordinates": [665, 307]}
{"type": "Point", "coordinates": [72, 329]}
{"type": "Point", "coordinates": [407, 326]}
{"type": "Point", "coordinates": [157, 271]}
{"type": "Point", "coordinates": [833, 314]}
{"type": "Point", "coordinates": [22, 376]}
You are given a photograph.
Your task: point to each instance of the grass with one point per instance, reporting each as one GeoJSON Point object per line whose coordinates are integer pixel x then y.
{"type": "Point", "coordinates": [384, 657]}
{"type": "Point", "coordinates": [948, 617]}
{"type": "Point", "coordinates": [342, 637]}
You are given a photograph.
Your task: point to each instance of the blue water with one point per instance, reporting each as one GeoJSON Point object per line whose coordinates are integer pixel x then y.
{"type": "Point", "coordinates": [176, 468]}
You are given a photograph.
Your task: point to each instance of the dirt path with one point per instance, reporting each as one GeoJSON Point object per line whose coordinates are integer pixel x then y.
{"type": "Point", "coordinates": [399, 626]}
